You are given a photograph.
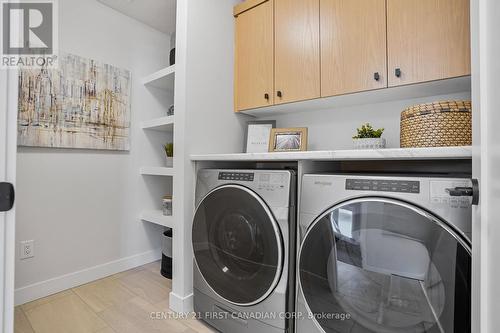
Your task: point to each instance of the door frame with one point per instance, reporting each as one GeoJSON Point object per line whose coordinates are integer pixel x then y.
{"type": "Point", "coordinates": [486, 153]}
{"type": "Point", "coordinates": [476, 163]}
{"type": "Point", "coordinates": [8, 152]}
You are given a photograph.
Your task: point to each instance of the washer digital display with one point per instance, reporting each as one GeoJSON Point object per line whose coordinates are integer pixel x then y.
{"type": "Point", "coordinates": [383, 185]}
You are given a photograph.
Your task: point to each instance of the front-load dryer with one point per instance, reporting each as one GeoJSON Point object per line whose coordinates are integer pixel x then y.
{"type": "Point", "coordinates": [384, 254]}
{"type": "Point", "coordinates": [243, 241]}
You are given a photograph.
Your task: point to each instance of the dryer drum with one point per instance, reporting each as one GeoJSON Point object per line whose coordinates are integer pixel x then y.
{"type": "Point", "coordinates": [237, 245]}
{"type": "Point", "coordinates": [390, 266]}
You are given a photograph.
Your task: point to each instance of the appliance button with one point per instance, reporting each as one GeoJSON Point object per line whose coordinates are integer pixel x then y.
{"type": "Point", "coordinates": [465, 203]}
{"type": "Point", "coordinates": [436, 200]}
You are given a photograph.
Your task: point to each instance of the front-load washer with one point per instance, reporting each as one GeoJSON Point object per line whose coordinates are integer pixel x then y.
{"type": "Point", "coordinates": [243, 237]}
{"type": "Point", "coordinates": [384, 254]}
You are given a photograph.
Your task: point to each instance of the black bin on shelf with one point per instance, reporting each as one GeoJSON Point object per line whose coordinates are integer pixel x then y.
{"type": "Point", "coordinates": [166, 257]}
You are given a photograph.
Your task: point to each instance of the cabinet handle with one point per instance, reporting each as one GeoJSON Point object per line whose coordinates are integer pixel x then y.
{"type": "Point", "coordinates": [280, 94]}
{"type": "Point", "coordinates": [397, 72]}
{"type": "Point", "coordinates": [376, 76]}
{"type": "Point", "coordinates": [266, 96]}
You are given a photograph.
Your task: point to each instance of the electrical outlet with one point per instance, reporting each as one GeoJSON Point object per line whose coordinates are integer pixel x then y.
{"type": "Point", "coordinates": [27, 249]}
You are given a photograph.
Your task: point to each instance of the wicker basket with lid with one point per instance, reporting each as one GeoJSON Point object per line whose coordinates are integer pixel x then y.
{"type": "Point", "coordinates": [438, 124]}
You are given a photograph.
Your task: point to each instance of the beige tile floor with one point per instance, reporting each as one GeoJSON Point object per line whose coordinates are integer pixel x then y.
{"type": "Point", "coordinates": [121, 303]}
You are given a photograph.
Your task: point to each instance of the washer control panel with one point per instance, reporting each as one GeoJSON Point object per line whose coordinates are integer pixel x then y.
{"type": "Point", "coordinates": [239, 176]}
{"type": "Point", "coordinates": [442, 192]}
{"type": "Point", "coordinates": [383, 185]}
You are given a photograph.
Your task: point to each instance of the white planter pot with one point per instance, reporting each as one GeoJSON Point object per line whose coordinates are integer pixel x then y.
{"type": "Point", "coordinates": [170, 162]}
{"type": "Point", "coordinates": [369, 143]}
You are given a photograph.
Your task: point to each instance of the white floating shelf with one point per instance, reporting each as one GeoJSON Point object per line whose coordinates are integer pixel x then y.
{"type": "Point", "coordinates": [165, 124]}
{"type": "Point", "coordinates": [157, 217]}
{"type": "Point", "coordinates": [163, 79]}
{"type": "Point", "coordinates": [157, 171]}
{"type": "Point", "coordinates": [435, 153]}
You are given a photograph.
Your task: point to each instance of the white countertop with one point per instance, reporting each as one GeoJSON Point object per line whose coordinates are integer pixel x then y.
{"type": "Point", "coordinates": [346, 155]}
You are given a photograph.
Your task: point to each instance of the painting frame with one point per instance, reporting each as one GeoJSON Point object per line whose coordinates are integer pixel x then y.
{"type": "Point", "coordinates": [80, 104]}
{"type": "Point", "coordinates": [288, 139]}
{"type": "Point", "coordinates": [264, 125]}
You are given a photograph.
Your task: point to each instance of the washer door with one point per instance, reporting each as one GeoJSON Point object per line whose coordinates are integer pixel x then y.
{"type": "Point", "coordinates": [380, 265]}
{"type": "Point", "coordinates": [237, 245]}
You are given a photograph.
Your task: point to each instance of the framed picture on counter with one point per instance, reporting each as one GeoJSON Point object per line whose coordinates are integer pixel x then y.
{"type": "Point", "coordinates": [258, 134]}
{"type": "Point", "coordinates": [288, 139]}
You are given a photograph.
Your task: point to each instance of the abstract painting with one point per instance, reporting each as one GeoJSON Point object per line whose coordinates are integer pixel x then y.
{"type": "Point", "coordinates": [81, 103]}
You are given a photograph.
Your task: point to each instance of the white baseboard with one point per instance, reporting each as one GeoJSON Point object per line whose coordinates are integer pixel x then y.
{"type": "Point", "coordinates": [181, 304]}
{"type": "Point", "coordinates": [71, 280]}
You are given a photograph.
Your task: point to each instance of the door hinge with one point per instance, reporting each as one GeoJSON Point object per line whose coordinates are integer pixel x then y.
{"type": "Point", "coordinates": [7, 196]}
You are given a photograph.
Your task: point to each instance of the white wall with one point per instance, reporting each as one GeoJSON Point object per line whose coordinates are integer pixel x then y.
{"type": "Point", "coordinates": [334, 129]}
{"type": "Point", "coordinates": [81, 206]}
{"type": "Point", "coordinates": [205, 121]}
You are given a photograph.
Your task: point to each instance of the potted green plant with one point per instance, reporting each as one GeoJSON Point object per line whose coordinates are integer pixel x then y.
{"type": "Point", "coordinates": [169, 151]}
{"type": "Point", "coordinates": [369, 138]}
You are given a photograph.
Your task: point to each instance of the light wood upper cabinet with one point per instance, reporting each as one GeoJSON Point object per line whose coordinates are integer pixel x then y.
{"type": "Point", "coordinates": [353, 46]}
{"type": "Point", "coordinates": [427, 40]}
{"type": "Point", "coordinates": [254, 56]}
{"type": "Point", "coordinates": [297, 51]}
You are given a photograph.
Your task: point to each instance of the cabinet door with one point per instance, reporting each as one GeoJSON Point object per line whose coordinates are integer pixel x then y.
{"type": "Point", "coordinates": [353, 46]}
{"type": "Point", "coordinates": [254, 57]}
{"type": "Point", "coordinates": [427, 40]}
{"type": "Point", "coordinates": [297, 58]}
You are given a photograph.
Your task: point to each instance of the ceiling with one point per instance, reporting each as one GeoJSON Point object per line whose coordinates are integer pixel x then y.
{"type": "Point", "coordinates": [159, 14]}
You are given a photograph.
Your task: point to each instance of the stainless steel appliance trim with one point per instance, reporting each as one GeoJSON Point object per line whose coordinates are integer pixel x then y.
{"type": "Point", "coordinates": [278, 237]}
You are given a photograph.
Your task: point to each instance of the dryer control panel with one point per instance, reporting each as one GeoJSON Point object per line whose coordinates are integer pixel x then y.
{"type": "Point", "coordinates": [240, 176]}
{"type": "Point", "coordinates": [276, 187]}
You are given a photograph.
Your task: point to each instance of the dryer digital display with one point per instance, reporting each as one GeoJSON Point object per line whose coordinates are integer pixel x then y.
{"type": "Point", "coordinates": [240, 176]}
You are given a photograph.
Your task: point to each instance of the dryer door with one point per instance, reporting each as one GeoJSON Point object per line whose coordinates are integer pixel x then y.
{"type": "Point", "coordinates": [237, 245]}
{"type": "Point", "coordinates": [380, 265]}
